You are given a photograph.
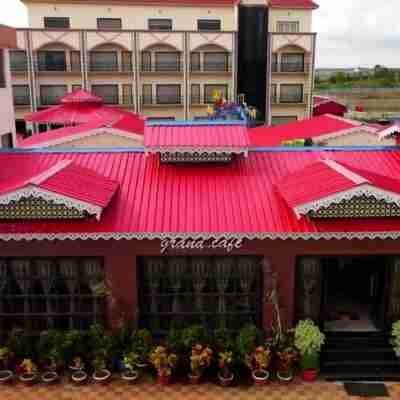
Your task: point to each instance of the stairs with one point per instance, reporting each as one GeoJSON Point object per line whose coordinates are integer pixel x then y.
{"type": "Point", "coordinates": [359, 356]}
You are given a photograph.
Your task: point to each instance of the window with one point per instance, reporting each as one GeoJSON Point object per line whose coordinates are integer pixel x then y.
{"type": "Point", "coordinates": [288, 26]}
{"type": "Point", "coordinates": [146, 61]}
{"type": "Point", "coordinates": [76, 87]}
{"type": "Point", "coordinates": [195, 94]}
{"type": "Point", "coordinates": [52, 61]}
{"type": "Point", "coordinates": [75, 61]}
{"type": "Point", "coordinates": [273, 93]}
{"type": "Point", "coordinates": [274, 62]}
{"type": "Point", "coordinates": [109, 93]}
{"type": "Point", "coordinates": [147, 94]}
{"type": "Point", "coordinates": [292, 62]}
{"type": "Point", "coordinates": [160, 24]}
{"type": "Point", "coordinates": [103, 61]}
{"type": "Point", "coordinates": [109, 23]}
{"type": "Point", "coordinates": [291, 93]}
{"type": "Point", "coordinates": [168, 94]}
{"type": "Point", "coordinates": [127, 94]}
{"type": "Point", "coordinates": [195, 61]}
{"type": "Point", "coordinates": [209, 91]}
{"type": "Point", "coordinates": [6, 141]}
{"type": "Point", "coordinates": [2, 70]}
{"type": "Point", "coordinates": [56, 22]}
{"type": "Point", "coordinates": [21, 95]}
{"type": "Point", "coordinates": [282, 120]}
{"type": "Point", "coordinates": [223, 292]}
{"type": "Point", "coordinates": [215, 62]}
{"type": "Point", "coordinates": [167, 61]}
{"type": "Point", "coordinates": [208, 25]}
{"type": "Point", "coordinates": [49, 94]}
{"type": "Point", "coordinates": [126, 61]}
{"type": "Point", "coordinates": [50, 293]}
{"type": "Point", "coordinates": [18, 61]}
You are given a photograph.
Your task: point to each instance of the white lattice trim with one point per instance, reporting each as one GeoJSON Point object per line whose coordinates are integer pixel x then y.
{"type": "Point", "coordinates": [391, 130]}
{"type": "Point", "coordinates": [32, 191]}
{"type": "Point", "coordinates": [195, 149]}
{"type": "Point", "coordinates": [393, 235]}
{"type": "Point", "coordinates": [363, 190]}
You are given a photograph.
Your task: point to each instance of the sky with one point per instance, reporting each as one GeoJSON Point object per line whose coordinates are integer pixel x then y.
{"type": "Point", "coordinates": [351, 33]}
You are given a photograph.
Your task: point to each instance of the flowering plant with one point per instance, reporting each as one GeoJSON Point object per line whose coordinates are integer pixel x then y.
{"type": "Point", "coordinates": [26, 367]}
{"type": "Point", "coordinates": [163, 360]}
{"type": "Point", "coordinates": [259, 359]}
{"type": "Point", "coordinates": [4, 357]}
{"type": "Point", "coordinates": [200, 359]}
{"type": "Point", "coordinates": [225, 360]}
{"type": "Point", "coordinates": [131, 360]}
{"type": "Point", "coordinates": [396, 337]}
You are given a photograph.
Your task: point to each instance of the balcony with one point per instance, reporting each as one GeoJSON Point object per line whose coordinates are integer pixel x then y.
{"type": "Point", "coordinates": [164, 67]}
{"type": "Point", "coordinates": [21, 101]}
{"type": "Point", "coordinates": [18, 67]}
{"type": "Point", "coordinates": [110, 67]}
{"type": "Point", "coordinates": [291, 68]}
{"type": "Point", "coordinates": [161, 101]}
{"type": "Point", "coordinates": [196, 100]}
{"type": "Point", "coordinates": [289, 99]}
{"type": "Point", "coordinates": [220, 67]}
{"type": "Point", "coordinates": [43, 67]}
{"type": "Point", "coordinates": [48, 100]}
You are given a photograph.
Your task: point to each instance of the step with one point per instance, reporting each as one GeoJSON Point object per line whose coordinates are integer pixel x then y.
{"type": "Point", "coordinates": [362, 363]}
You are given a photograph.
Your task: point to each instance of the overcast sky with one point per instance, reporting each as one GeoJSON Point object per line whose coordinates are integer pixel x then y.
{"type": "Point", "coordinates": [351, 33]}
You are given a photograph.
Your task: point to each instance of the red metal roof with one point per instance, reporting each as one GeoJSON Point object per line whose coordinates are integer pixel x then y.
{"type": "Point", "coordinates": [308, 4]}
{"type": "Point", "coordinates": [164, 200]}
{"type": "Point", "coordinates": [80, 96]}
{"type": "Point", "coordinates": [266, 136]}
{"type": "Point", "coordinates": [129, 124]}
{"type": "Point", "coordinates": [196, 137]}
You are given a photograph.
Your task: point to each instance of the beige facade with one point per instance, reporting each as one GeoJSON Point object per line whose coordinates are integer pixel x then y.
{"type": "Point", "coordinates": [157, 73]}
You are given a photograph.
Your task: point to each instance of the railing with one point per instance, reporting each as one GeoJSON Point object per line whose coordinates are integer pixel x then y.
{"type": "Point", "coordinates": [161, 67]}
{"type": "Point", "coordinates": [19, 66]}
{"type": "Point", "coordinates": [289, 99]}
{"type": "Point", "coordinates": [48, 100]}
{"type": "Point", "coordinates": [290, 67]}
{"type": "Point", "coordinates": [161, 100]}
{"type": "Point", "coordinates": [211, 67]}
{"type": "Point", "coordinates": [197, 100]}
{"type": "Point", "coordinates": [110, 67]}
{"type": "Point", "coordinates": [22, 100]}
{"type": "Point", "coordinates": [57, 67]}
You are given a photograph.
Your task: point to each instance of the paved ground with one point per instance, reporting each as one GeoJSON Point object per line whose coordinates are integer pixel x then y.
{"type": "Point", "coordinates": [145, 390]}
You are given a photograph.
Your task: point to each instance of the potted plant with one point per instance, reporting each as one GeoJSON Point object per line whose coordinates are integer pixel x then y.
{"type": "Point", "coordinates": [50, 350]}
{"type": "Point", "coordinates": [6, 375]}
{"type": "Point", "coordinates": [74, 348]}
{"type": "Point", "coordinates": [286, 354]}
{"type": "Point", "coordinates": [100, 344]}
{"type": "Point", "coordinates": [78, 374]}
{"type": "Point", "coordinates": [130, 373]}
{"type": "Point", "coordinates": [225, 375]}
{"type": "Point", "coordinates": [200, 359]}
{"type": "Point", "coordinates": [164, 362]}
{"type": "Point", "coordinates": [141, 344]}
{"type": "Point", "coordinates": [27, 372]}
{"type": "Point", "coordinates": [309, 340]}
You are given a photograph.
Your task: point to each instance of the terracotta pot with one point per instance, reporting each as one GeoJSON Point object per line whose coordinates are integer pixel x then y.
{"type": "Point", "coordinates": [49, 377]}
{"type": "Point", "coordinates": [79, 377]}
{"type": "Point", "coordinates": [102, 376]}
{"type": "Point", "coordinates": [310, 375]}
{"type": "Point", "coordinates": [194, 379]}
{"type": "Point", "coordinates": [130, 376]}
{"type": "Point", "coordinates": [164, 379]}
{"type": "Point", "coordinates": [225, 381]}
{"type": "Point", "coordinates": [6, 376]}
{"type": "Point", "coordinates": [260, 377]}
{"type": "Point", "coordinates": [28, 378]}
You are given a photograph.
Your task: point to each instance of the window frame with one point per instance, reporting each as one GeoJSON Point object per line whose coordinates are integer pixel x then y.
{"type": "Point", "coordinates": [154, 20]}
{"type": "Point", "coordinates": [198, 97]}
{"type": "Point", "coordinates": [65, 19]}
{"type": "Point", "coordinates": [6, 140]}
{"type": "Point", "coordinates": [289, 23]}
{"type": "Point", "coordinates": [28, 102]}
{"type": "Point", "coordinates": [113, 67]}
{"type": "Point", "coordinates": [3, 80]}
{"type": "Point", "coordinates": [41, 87]}
{"type": "Point", "coordinates": [284, 65]}
{"type": "Point", "coordinates": [107, 85]}
{"type": "Point", "coordinates": [146, 96]}
{"type": "Point", "coordinates": [212, 20]}
{"type": "Point", "coordinates": [48, 67]}
{"type": "Point", "coordinates": [291, 85]}
{"type": "Point", "coordinates": [16, 67]}
{"type": "Point", "coordinates": [103, 19]}
{"type": "Point", "coordinates": [216, 68]}
{"type": "Point", "coordinates": [174, 68]}
{"type": "Point", "coordinates": [163, 85]}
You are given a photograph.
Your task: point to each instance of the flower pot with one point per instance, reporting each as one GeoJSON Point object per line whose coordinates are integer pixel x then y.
{"type": "Point", "coordinates": [49, 377]}
{"type": "Point", "coordinates": [101, 376]}
{"type": "Point", "coordinates": [164, 379]}
{"type": "Point", "coordinates": [310, 375]}
{"type": "Point", "coordinates": [79, 377]}
{"type": "Point", "coordinates": [72, 368]}
{"type": "Point", "coordinates": [225, 381]}
{"type": "Point", "coordinates": [6, 376]}
{"type": "Point", "coordinates": [28, 378]}
{"type": "Point", "coordinates": [130, 376]}
{"type": "Point", "coordinates": [142, 365]}
{"type": "Point", "coordinates": [285, 376]}
{"type": "Point", "coordinates": [194, 379]}
{"type": "Point", "coordinates": [260, 377]}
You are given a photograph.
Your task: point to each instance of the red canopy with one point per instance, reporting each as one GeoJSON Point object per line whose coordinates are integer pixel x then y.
{"type": "Point", "coordinates": [76, 108]}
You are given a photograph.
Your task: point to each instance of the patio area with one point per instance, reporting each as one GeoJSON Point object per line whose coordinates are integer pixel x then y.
{"type": "Point", "coordinates": [146, 390]}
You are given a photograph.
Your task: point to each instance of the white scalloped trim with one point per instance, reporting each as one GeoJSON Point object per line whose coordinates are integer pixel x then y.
{"type": "Point", "coordinates": [32, 191]}
{"type": "Point", "coordinates": [393, 235]}
{"type": "Point", "coordinates": [194, 149]}
{"type": "Point", "coordinates": [363, 190]}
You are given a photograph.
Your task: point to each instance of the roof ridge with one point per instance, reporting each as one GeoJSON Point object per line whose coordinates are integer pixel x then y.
{"type": "Point", "coordinates": [42, 177]}
{"type": "Point", "coordinates": [344, 171]}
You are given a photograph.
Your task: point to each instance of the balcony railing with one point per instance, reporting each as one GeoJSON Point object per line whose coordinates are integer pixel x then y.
{"type": "Point", "coordinates": [290, 67]}
{"type": "Point", "coordinates": [57, 67]}
{"type": "Point", "coordinates": [198, 101]}
{"type": "Point", "coordinates": [110, 67]}
{"type": "Point", "coordinates": [211, 67]}
{"type": "Point", "coordinates": [22, 100]}
{"type": "Point", "coordinates": [161, 100]}
{"type": "Point", "coordinates": [48, 100]}
{"type": "Point", "coordinates": [19, 66]}
{"type": "Point", "coordinates": [108, 99]}
{"type": "Point", "coordinates": [161, 67]}
{"type": "Point", "coordinates": [289, 99]}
